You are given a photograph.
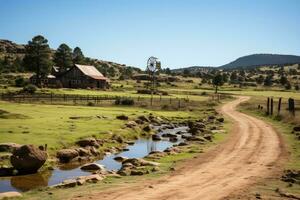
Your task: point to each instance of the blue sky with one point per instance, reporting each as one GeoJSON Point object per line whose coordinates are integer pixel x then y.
{"type": "Point", "coordinates": [179, 32]}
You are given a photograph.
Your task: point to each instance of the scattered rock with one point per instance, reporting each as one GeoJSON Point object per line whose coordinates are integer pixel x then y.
{"type": "Point", "coordinates": [291, 176]}
{"type": "Point", "coordinates": [66, 155]}
{"type": "Point", "coordinates": [120, 158]}
{"type": "Point", "coordinates": [69, 183]}
{"type": "Point", "coordinates": [9, 147]}
{"type": "Point", "coordinates": [183, 144]}
{"type": "Point", "coordinates": [143, 118]}
{"type": "Point", "coordinates": [296, 128]}
{"type": "Point", "coordinates": [6, 195]}
{"type": "Point", "coordinates": [93, 167]}
{"type": "Point", "coordinates": [169, 135]}
{"type": "Point", "coordinates": [28, 159]}
{"type": "Point", "coordinates": [130, 142]}
{"type": "Point", "coordinates": [208, 137]}
{"type": "Point", "coordinates": [136, 173]}
{"type": "Point", "coordinates": [87, 142]}
{"type": "Point", "coordinates": [83, 152]}
{"type": "Point", "coordinates": [173, 139]}
{"type": "Point", "coordinates": [221, 119]}
{"type": "Point", "coordinates": [156, 137]}
{"type": "Point", "coordinates": [131, 124]}
{"type": "Point", "coordinates": [147, 128]}
{"type": "Point", "coordinates": [122, 117]}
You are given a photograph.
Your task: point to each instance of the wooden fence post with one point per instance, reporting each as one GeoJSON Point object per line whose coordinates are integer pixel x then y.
{"type": "Point", "coordinates": [272, 106]}
{"type": "Point", "coordinates": [279, 106]}
{"type": "Point", "coordinates": [268, 106]}
{"type": "Point", "coordinates": [291, 106]}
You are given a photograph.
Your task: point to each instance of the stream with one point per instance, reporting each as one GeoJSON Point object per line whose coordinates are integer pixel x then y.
{"type": "Point", "coordinates": [141, 148]}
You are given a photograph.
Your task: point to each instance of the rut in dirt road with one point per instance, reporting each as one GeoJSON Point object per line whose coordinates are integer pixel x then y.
{"type": "Point", "coordinates": [249, 153]}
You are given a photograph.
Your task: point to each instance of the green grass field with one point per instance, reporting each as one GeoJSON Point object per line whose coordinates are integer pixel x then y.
{"type": "Point", "coordinates": [51, 124]}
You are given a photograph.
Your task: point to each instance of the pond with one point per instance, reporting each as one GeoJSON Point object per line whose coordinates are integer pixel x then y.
{"type": "Point", "coordinates": [141, 148]}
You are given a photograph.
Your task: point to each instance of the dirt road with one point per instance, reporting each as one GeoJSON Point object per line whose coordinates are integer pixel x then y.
{"type": "Point", "coordinates": [249, 153]}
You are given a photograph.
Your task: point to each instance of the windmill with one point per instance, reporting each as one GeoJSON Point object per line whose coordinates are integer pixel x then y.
{"type": "Point", "coordinates": [153, 65]}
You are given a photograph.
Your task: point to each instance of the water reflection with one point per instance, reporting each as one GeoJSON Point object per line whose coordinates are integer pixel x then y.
{"type": "Point", "coordinates": [140, 149]}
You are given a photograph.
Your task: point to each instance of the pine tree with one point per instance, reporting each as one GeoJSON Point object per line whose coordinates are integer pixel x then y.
{"type": "Point", "coordinates": [37, 57]}
{"type": "Point", "coordinates": [63, 57]}
{"type": "Point", "coordinates": [78, 57]}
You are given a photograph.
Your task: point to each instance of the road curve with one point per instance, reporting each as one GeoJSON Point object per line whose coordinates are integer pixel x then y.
{"type": "Point", "coordinates": [250, 152]}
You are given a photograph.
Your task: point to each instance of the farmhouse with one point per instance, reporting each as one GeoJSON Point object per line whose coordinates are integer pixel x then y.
{"type": "Point", "coordinates": [78, 76]}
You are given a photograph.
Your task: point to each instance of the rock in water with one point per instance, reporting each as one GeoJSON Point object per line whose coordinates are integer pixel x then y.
{"type": "Point", "coordinates": [6, 195]}
{"type": "Point", "coordinates": [66, 155]}
{"type": "Point", "coordinates": [93, 167]}
{"type": "Point", "coordinates": [28, 159]}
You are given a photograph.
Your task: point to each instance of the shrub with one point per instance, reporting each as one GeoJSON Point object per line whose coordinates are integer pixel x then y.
{"type": "Point", "coordinates": [20, 82]}
{"type": "Point", "coordinates": [125, 101]}
{"type": "Point", "coordinates": [90, 104]}
{"type": "Point", "coordinates": [31, 89]}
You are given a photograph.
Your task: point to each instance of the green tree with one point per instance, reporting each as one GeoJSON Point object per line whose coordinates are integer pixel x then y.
{"type": "Point", "coordinates": [260, 79]}
{"type": "Point", "coordinates": [268, 80]}
{"type": "Point", "coordinates": [63, 57]}
{"type": "Point", "coordinates": [168, 71]}
{"type": "Point", "coordinates": [37, 57]}
{"type": "Point", "coordinates": [78, 57]}
{"type": "Point", "coordinates": [283, 80]}
{"type": "Point", "coordinates": [288, 86]}
{"type": "Point", "coordinates": [217, 81]}
{"type": "Point", "coordinates": [186, 73]}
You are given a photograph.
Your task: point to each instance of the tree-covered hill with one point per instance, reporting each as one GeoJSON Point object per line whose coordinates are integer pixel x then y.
{"type": "Point", "coordinates": [12, 54]}
{"type": "Point", "coordinates": [262, 59]}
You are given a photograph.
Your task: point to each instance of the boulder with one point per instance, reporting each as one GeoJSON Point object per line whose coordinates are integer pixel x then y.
{"type": "Point", "coordinates": [131, 124]}
{"type": "Point", "coordinates": [83, 152]}
{"type": "Point", "coordinates": [69, 183]}
{"type": "Point", "coordinates": [88, 142]}
{"type": "Point", "coordinates": [143, 118]}
{"type": "Point", "coordinates": [208, 137]}
{"type": "Point", "coordinates": [66, 155]}
{"type": "Point", "coordinates": [183, 144]}
{"type": "Point", "coordinates": [28, 159]}
{"type": "Point", "coordinates": [133, 161]}
{"type": "Point", "coordinates": [221, 119]}
{"type": "Point", "coordinates": [156, 137]}
{"type": "Point", "coordinates": [169, 135]}
{"type": "Point", "coordinates": [137, 173]}
{"type": "Point", "coordinates": [173, 139]}
{"type": "Point", "coordinates": [8, 147]}
{"type": "Point", "coordinates": [147, 128]}
{"type": "Point", "coordinates": [122, 117]}
{"type": "Point", "coordinates": [92, 178]}
{"type": "Point", "coordinates": [93, 167]}
{"type": "Point", "coordinates": [296, 128]}
{"type": "Point", "coordinates": [120, 158]}
{"type": "Point", "coordinates": [124, 171]}
{"type": "Point", "coordinates": [6, 195]}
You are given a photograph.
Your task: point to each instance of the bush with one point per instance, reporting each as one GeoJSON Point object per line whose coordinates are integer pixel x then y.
{"type": "Point", "coordinates": [126, 101]}
{"type": "Point", "coordinates": [90, 104]}
{"type": "Point", "coordinates": [20, 82]}
{"type": "Point", "coordinates": [31, 89]}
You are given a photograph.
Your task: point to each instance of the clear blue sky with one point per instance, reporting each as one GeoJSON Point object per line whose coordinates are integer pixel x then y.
{"type": "Point", "coordinates": [179, 32]}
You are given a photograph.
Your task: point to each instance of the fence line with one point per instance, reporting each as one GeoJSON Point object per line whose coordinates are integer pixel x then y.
{"type": "Point", "coordinates": [72, 99]}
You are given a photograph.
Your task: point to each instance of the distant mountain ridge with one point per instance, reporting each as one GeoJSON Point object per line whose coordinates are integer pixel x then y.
{"type": "Point", "coordinates": [262, 59]}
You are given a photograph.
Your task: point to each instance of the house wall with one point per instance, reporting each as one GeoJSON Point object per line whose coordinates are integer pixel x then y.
{"type": "Point", "coordinates": [74, 78]}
